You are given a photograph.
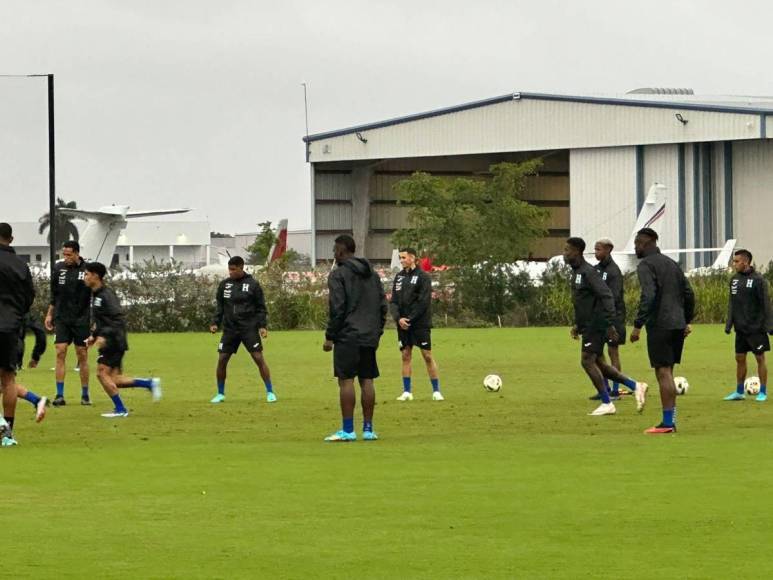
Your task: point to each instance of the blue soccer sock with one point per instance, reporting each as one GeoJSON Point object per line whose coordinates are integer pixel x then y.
{"type": "Point", "coordinates": [407, 384]}
{"type": "Point", "coordinates": [764, 389]}
{"type": "Point", "coordinates": [630, 383]}
{"type": "Point", "coordinates": [739, 388]}
{"type": "Point", "coordinates": [221, 388]}
{"type": "Point", "coordinates": [668, 417]}
{"type": "Point", "coordinates": [615, 388]}
{"type": "Point", "coordinates": [144, 383]}
{"type": "Point", "coordinates": [85, 392]}
{"type": "Point", "coordinates": [60, 389]}
{"type": "Point", "coordinates": [367, 426]}
{"type": "Point", "coordinates": [269, 386]}
{"type": "Point", "coordinates": [605, 397]}
{"type": "Point", "coordinates": [32, 398]}
{"type": "Point", "coordinates": [349, 425]}
{"type": "Point", "coordinates": [435, 385]}
{"type": "Point", "coordinates": [606, 384]}
{"type": "Point", "coordinates": [119, 408]}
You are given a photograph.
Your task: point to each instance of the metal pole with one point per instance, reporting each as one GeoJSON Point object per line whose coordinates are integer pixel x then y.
{"type": "Point", "coordinates": [51, 175]}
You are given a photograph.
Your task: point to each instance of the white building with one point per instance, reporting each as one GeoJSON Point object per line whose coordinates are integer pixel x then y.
{"type": "Point", "coordinates": [714, 154]}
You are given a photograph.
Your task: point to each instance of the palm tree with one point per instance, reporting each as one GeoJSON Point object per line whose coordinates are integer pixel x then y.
{"type": "Point", "coordinates": [65, 228]}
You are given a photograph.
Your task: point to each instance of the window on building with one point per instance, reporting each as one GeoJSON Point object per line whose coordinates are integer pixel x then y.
{"type": "Point", "coordinates": [38, 257]}
{"type": "Point", "coordinates": [114, 262]}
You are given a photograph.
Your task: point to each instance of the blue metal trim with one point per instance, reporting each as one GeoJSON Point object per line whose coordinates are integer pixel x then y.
{"type": "Point", "coordinates": [728, 179]}
{"type": "Point", "coordinates": [696, 200]}
{"type": "Point", "coordinates": [673, 105]}
{"type": "Point", "coordinates": [763, 126]}
{"type": "Point", "coordinates": [639, 178]}
{"type": "Point", "coordinates": [681, 202]}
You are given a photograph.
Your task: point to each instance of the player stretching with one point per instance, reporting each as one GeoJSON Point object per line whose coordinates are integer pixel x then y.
{"type": "Point", "coordinates": [68, 313]}
{"type": "Point", "coordinates": [356, 320]}
{"type": "Point", "coordinates": [594, 316]}
{"type": "Point", "coordinates": [109, 337]}
{"type": "Point", "coordinates": [16, 297]}
{"type": "Point", "coordinates": [666, 306]}
{"type": "Point", "coordinates": [411, 307]}
{"type": "Point", "coordinates": [611, 274]}
{"type": "Point", "coordinates": [748, 310]}
{"type": "Point", "coordinates": [241, 309]}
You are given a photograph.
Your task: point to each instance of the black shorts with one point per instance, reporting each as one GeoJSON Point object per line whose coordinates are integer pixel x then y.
{"type": "Point", "coordinates": [67, 333]}
{"type": "Point", "coordinates": [231, 339]}
{"type": "Point", "coordinates": [757, 342]}
{"type": "Point", "coordinates": [665, 347]}
{"type": "Point", "coordinates": [421, 337]}
{"type": "Point", "coordinates": [9, 351]}
{"type": "Point", "coordinates": [351, 360]}
{"type": "Point", "coordinates": [620, 327]}
{"type": "Point", "coordinates": [593, 341]}
{"type": "Point", "coordinates": [111, 357]}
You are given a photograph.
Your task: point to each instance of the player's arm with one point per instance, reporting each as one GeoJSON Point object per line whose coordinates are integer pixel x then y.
{"type": "Point", "coordinates": [729, 319]}
{"type": "Point", "coordinates": [49, 320]}
{"type": "Point", "coordinates": [394, 304]}
{"type": "Point", "coordinates": [29, 292]}
{"type": "Point", "coordinates": [604, 294]}
{"type": "Point", "coordinates": [217, 319]}
{"type": "Point", "coordinates": [337, 307]}
{"type": "Point", "coordinates": [261, 310]}
{"type": "Point", "coordinates": [765, 298]}
{"type": "Point", "coordinates": [423, 297]}
{"type": "Point", "coordinates": [647, 297]}
{"type": "Point", "coordinates": [382, 303]}
{"type": "Point", "coordinates": [689, 301]}
{"type": "Point", "coordinates": [40, 339]}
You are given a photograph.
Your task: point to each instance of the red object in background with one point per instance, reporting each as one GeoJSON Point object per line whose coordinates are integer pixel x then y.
{"type": "Point", "coordinates": [425, 264]}
{"type": "Point", "coordinates": [281, 245]}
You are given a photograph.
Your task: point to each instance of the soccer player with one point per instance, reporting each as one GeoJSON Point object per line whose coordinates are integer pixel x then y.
{"type": "Point", "coordinates": [356, 321]}
{"type": "Point", "coordinates": [411, 307]}
{"type": "Point", "coordinates": [748, 310]}
{"type": "Point", "coordinates": [613, 277]}
{"type": "Point", "coordinates": [594, 315]}
{"type": "Point", "coordinates": [241, 310]}
{"type": "Point", "coordinates": [666, 307]}
{"type": "Point", "coordinates": [68, 314]}
{"type": "Point", "coordinates": [16, 296]}
{"type": "Point", "coordinates": [108, 335]}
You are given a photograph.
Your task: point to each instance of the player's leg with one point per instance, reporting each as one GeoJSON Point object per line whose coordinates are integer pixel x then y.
{"type": "Point", "coordinates": [762, 372]}
{"type": "Point", "coordinates": [60, 349]}
{"type": "Point", "coordinates": [432, 372]}
{"type": "Point", "coordinates": [8, 386]}
{"type": "Point", "coordinates": [367, 374]}
{"type": "Point", "coordinates": [665, 376]}
{"type": "Point", "coordinates": [346, 361]}
{"type": "Point", "coordinates": [591, 350]}
{"type": "Point", "coordinates": [228, 345]}
{"type": "Point", "coordinates": [152, 384]}
{"type": "Point", "coordinates": [106, 374]}
{"type": "Point", "coordinates": [38, 402]}
{"type": "Point", "coordinates": [406, 358]}
{"type": "Point", "coordinates": [614, 361]}
{"type": "Point", "coordinates": [82, 353]}
{"type": "Point", "coordinates": [741, 370]}
{"type": "Point", "coordinates": [612, 374]}
{"type": "Point", "coordinates": [265, 374]}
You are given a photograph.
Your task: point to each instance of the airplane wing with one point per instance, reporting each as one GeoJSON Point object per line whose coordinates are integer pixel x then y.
{"type": "Point", "coordinates": [138, 214]}
{"type": "Point", "coordinates": [84, 214]}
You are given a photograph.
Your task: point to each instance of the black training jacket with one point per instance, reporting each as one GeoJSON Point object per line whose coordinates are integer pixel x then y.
{"type": "Point", "coordinates": [29, 323]}
{"type": "Point", "coordinates": [748, 307]}
{"type": "Point", "coordinates": [70, 296]}
{"type": "Point", "coordinates": [108, 319]}
{"type": "Point", "coordinates": [613, 277]}
{"type": "Point", "coordinates": [667, 300]}
{"type": "Point", "coordinates": [358, 307]}
{"type": "Point", "coordinates": [412, 298]}
{"type": "Point", "coordinates": [594, 306]}
{"type": "Point", "coordinates": [16, 290]}
{"type": "Point", "coordinates": [240, 304]}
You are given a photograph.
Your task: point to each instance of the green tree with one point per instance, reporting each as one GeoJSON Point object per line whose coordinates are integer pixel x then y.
{"type": "Point", "coordinates": [260, 248]}
{"type": "Point", "coordinates": [65, 228]}
{"type": "Point", "coordinates": [477, 226]}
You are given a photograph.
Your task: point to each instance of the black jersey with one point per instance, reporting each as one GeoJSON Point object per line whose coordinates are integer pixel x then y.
{"type": "Point", "coordinates": [610, 273]}
{"type": "Point", "coordinates": [748, 307]}
{"type": "Point", "coordinates": [357, 306]}
{"type": "Point", "coordinates": [594, 306]}
{"type": "Point", "coordinates": [412, 298]}
{"type": "Point", "coordinates": [667, 300]}
{"type": "Point", "coordinates": [16, 290]}
{"type": "Point", "coordinates": [240, 304]}
{"type": "Point", "coordinates": [70, 296]}
{"type": "Point", "coordinates": [108, 319]}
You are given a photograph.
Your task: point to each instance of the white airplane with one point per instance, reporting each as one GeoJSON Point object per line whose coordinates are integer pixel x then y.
{"type": "Point", "coordinates": [100, 237]}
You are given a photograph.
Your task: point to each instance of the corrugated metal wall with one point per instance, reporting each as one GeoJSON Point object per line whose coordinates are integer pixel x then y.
{"type": "Point", "coordinates": [753, 197]}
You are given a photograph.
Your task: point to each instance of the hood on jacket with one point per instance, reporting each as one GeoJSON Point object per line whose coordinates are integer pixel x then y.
{"type": "Point", "coordinates": [359, 266]}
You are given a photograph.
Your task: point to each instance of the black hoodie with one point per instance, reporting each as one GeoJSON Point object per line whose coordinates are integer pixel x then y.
{"type": "Point", "coordinates": [358, 306]}
{"type": "Point", "coordinates": [667, 301]}
{"type": "Point", "coordinates": [748, 308]}
{"type": "Point", "coordinates": [16, 290]}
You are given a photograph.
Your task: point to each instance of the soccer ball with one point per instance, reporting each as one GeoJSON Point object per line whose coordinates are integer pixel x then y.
{"type": "Point", "coordinates": [681, 385]}
{"type": "Point", "coordinates": [492, 383]}
{"type": "Point", "coordinates": [752, 385]}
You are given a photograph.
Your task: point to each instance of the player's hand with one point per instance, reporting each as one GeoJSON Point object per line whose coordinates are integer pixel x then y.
{"type": "Point", "coordinates": [327, 346]}
{"type": "Point", "coordinates": [727, 330]}
{"type": "Point", "coordinates": [404, 323]}
{"type": "Point", "coordinates": [263, 333]}
{"type": "Point", "coordinates": [612, 334]}
{"type": "Point", "coordinates": [573, 333]}
{"type": "Point", "coordinates": [687, 330]}
{"type": "Point", "coordinates": [49, 323]}
{"type": "Point", "coordinates": [90, 341]}
{"type": "Point", "coordinates": [213, 328]}
{"type": "Point", "coordinates": [635, 334]}
{"type": "Point", "coordinates": [33, 364]}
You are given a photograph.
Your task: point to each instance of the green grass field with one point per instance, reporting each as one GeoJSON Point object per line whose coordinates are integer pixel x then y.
{"type": "Point", "coordinates": [517, 484]}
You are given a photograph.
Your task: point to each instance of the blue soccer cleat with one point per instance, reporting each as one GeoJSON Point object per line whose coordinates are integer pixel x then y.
{"type": "Point", "coordinates": [762, 397]}
{"type": "Point", "coordinates": [341, 437]}
{"type": "Point", "coordinates": [369, 436]}
{"type": "Point", "coordinates": [270, 398]}
{"type": "Point", "coordinates": [9, 442]}
{"type": "Point", "coordinates": [734, 397]}
{"type": "Point", "coordinates": [218, 398]}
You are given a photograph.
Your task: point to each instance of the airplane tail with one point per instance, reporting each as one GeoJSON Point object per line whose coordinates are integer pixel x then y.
{"type": "Point", "coordinates": [725, 255]}
{"type": "Point", "coordinates": [280, 246]}
{"type": "Point", "coordinates": [653, 209]}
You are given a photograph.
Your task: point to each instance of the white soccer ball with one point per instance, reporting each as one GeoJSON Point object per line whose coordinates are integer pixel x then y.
{"type": "Point", "coordinates": [681, 385]}
{"type": "Point", "coordinates": [492, 383]}
{"type": "Point", "coordinates": [752, 385]}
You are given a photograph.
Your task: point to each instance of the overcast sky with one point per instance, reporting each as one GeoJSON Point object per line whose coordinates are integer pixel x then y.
{"type": "Point", "coordinates": [199, 104]}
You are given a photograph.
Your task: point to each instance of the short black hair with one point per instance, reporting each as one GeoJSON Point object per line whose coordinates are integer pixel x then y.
{"type": "Point", "coordinates": [97, 268]}
{"type": "Point", "coordinates": [6, 231]}
{"type": "Point", "coordinates": [347, 242]}
{"type": "Point", "coordinates": [408, 250]}
{"type": "Point", "coordinates": [649, 232]}
{"type": "Point", "coordinates": [236, 261]}
{"type": "Point", "coordinates": [746, 253]}
{"type": "Point", "coordinates": [578, 243]}
{"type": "Point", "coordinates": [73, 245]}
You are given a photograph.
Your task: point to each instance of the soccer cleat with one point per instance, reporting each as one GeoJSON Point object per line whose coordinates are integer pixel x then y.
{"type": "Point", "coordinates": [661, 429]}
{"type": "Point", "coordinates": [9, 441]}
{"type": "Point", "coordinates": [736, 396]}
{"type": "Point", "coordinates": [270, 398]}
{"type": "Point", "coordinates": [219, 398]}
{"type": "Point", "coordinates": [369, 436]}
{"type": "Point", "coordinates": [85, 401]}
{"type": "Point", "coordinates": [40, 409]}
{"type": "Point", "coordinates": [58, 401]}
{"type": "Point", "coordinates": [641, 396]}
{"type": "Point", "coordinates": [115, 414]}
{"type": "Point", "coordinates": [762, 397]}
{"type": "Point", "coordinates": [603, 409]}
{"type": "Point", "coordinates": [341, 437]}
{"type": "Point", "coordinates": [155, 389]}
{"type": "Point", "coordinates": [406, 396]}
{"type": "Point", "coordinates": [436, 396]}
